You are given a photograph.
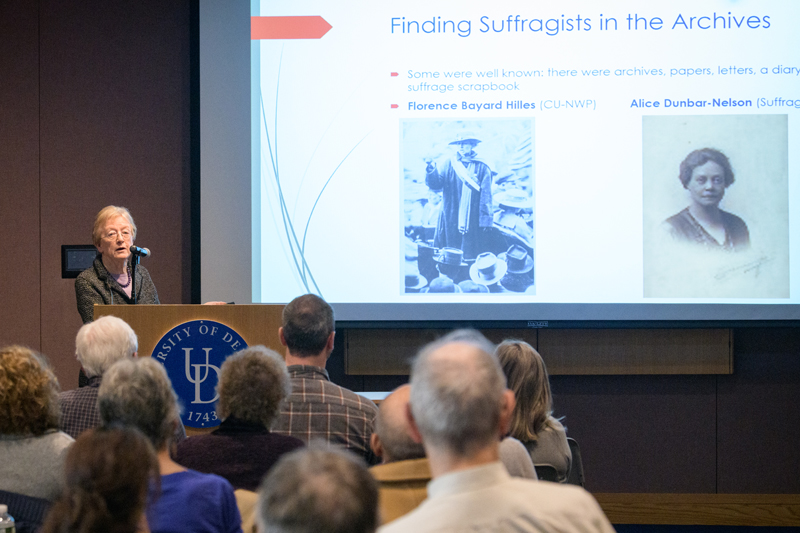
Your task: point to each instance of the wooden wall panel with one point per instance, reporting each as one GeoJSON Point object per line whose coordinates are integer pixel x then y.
{"type": "Point", "coordinates": [575, 351]}
{"type": "Point", "coordinates": [753, 510]}
{"type": "Point", "coordinates": [114, 130]}
{"type": "Point", "coordinates": [637, 351]}
{"type": "Point", "coordinates": [388, 352]}
{"type": "Point", "coordinates": [19, 173]}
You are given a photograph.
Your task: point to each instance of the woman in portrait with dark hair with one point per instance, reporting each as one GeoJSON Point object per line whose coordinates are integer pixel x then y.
{"type": "Point", "coordinates": [706, 174]}
{"type": "Point", "coordinates": [108, 473]}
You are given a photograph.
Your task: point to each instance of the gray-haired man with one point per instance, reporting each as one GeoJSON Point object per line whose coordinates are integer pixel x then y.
{"type": "Point", "coordinates": [459, 408]}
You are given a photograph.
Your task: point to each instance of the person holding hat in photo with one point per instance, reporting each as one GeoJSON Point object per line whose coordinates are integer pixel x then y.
{"type": "Point", "coordinates": [465, 221]}
{"type": "Point", "coordinates": [488, 270]}
{"type": "Point", "coordinates": [520, 269]}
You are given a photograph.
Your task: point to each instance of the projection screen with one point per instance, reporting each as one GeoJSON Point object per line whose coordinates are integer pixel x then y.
{"type": "Point", "coordinates": [507, 160]}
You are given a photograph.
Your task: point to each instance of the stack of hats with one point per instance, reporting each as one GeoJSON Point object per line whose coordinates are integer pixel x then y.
{"type": "Point", "coordinates": [450, 263]}
{"type": "Point", "coordinates": [520, 269]}
{"type": "Point", "coordinates": [414, 281]}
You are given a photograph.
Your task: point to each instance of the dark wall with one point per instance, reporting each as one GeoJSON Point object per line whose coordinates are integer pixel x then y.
{"type": "Point", "coordinates": [729, 434]}
{"type": "Point", "coordinates": [94, 111]}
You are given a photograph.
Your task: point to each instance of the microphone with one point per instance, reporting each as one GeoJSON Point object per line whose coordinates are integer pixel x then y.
{"type": "Point", "coordinates": [144, 252]}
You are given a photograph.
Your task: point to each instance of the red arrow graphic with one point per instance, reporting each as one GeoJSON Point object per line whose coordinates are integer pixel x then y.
{"type": "Point", "coordinates": [313, 27]}
{"type": "Point", "coordinates": [394, 74]}
{"type": "Point", "coordinates": [394, 106]}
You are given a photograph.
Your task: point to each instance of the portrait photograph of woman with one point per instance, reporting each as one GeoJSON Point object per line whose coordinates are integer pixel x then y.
{"type": "Point", "coordinates": [715, 206]}
{"type": "Point", "coordinates": [706, 174]}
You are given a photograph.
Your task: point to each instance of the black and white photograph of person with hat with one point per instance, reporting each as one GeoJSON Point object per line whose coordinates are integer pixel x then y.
{"type": "Point", "coordinates": [466, 184]}
{"type": "Point", "coordinates": [479, 175]}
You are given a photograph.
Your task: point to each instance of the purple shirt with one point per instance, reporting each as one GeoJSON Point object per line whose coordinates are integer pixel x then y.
{"type": "Point", "coordinates": [194, 503]}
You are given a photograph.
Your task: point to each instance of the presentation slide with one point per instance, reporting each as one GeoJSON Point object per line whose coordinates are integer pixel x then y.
{"type": "Point", "coordinates": [510, 160]}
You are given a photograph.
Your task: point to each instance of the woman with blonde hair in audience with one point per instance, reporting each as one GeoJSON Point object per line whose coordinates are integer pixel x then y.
{"type": "Point", "coordinates": [532, 421]}
{"type": "Point", "coordinates": [108, 472]}
{"type": "Point", "coordinates": [32, 448]}
{"type": "Point", "coordinates": [138, 393]}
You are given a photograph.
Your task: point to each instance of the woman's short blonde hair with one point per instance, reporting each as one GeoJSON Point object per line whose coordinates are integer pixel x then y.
{"type": "Point", "coordinates": [106, 214]}
{"type": "Point", "coordinates": [527, 378]}
{"type": "Point", "coordinates": [28, 393]}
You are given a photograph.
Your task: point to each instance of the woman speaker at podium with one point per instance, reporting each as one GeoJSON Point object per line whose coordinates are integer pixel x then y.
{"type": "Point", "coordinates": [110, 280]}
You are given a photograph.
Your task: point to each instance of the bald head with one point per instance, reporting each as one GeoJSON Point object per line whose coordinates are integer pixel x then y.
{"type": "Point", "coordinates": [458, 394]}
{"type": "Point", "coordinates": [392, 439]}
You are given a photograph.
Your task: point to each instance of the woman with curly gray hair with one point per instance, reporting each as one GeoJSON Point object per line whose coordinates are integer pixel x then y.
{"type": "Point", "coordinates": [138, 393]}
{"type": "Point", "coordinates": [31, 447]}
{"type": "Point", "coordinates": [252, 384]}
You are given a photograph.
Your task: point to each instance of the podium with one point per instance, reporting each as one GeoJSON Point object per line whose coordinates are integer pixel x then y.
{"type": "Point", "coordinates": [192, 342]}
{"type": "Point", "coordinates": [257, 324]}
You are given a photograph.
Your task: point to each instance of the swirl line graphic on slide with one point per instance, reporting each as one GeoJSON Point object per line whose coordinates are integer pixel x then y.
{"type": "Point", "coordinates": [308, 221]}
{"type": "Point", "coordinates": [291, 235]}
{"type": "Point", "coordinates": [296, 247]}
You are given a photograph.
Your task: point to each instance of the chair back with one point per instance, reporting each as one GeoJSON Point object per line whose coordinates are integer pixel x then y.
{"type": "Point", "coordinates": [28, 512]}
{"type": "Point", "coordinates": [546, 473]}
{"type": "Point", "coordinates": [575, 474]}
{"type": "Point", "coordinates": [247, 502]}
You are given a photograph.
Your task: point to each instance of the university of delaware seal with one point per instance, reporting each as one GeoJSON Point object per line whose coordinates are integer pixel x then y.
{"type": "Point", "coordinates": [192, 354]}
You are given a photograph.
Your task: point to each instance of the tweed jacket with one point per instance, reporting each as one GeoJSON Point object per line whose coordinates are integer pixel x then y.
{"type": "Point", "coordinates": [95, 286]}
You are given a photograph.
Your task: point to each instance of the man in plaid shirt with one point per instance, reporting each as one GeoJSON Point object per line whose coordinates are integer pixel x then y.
{"type": "Point", "coordinates": [318, 409]}
{"type": "Point", "coordinates": [99, 345]}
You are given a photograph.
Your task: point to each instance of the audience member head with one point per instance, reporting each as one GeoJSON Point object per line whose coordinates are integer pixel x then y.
{"type": "Point", "coordinates": [252, 384]}
{"type": "Point", "coordinates": [527, 378]}
{"type": "Point", "coordinates": [102, 343]}
{"type": "Point", "coordinates": [28, 393]}
{"type": "Point", "coordinates": [459, 401]}
{"type": "Point", "coordinates": [138, 393]}
{"type": "Point", "coordinates": [308, 326]}
{"type": "Point", "coordinates": [318, 491]}
{"type": "Point", "coordinates": [392, 440]}
{"type": "Point", "coordinates": [108, 472]}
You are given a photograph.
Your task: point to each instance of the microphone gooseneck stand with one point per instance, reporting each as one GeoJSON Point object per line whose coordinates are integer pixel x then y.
{"type": "Point", "coordinates": [135, 258]}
